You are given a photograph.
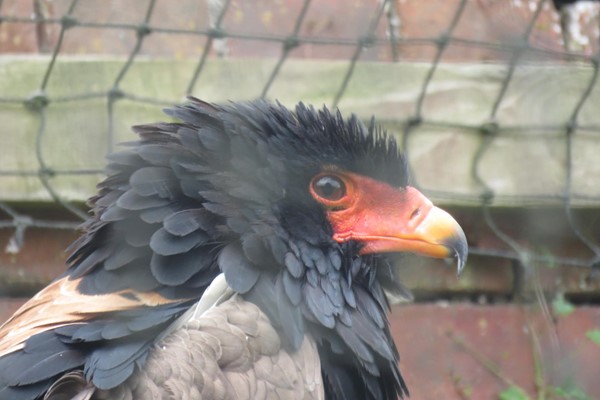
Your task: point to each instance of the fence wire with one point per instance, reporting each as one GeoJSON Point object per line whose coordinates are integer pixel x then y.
{"type": "Point", "coordinates": [215, 38]}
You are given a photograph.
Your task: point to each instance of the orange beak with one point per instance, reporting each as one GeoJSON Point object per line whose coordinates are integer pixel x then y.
{"type": "Point", "coordinates": [386, 219]}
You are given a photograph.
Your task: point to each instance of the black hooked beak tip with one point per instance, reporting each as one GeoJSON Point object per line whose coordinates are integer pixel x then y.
{"type": "Point", "coordinates": [457, 245]}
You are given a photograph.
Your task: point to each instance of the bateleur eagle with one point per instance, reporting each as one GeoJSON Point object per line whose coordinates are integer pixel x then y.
{"type": "Point", "coordinates": [240, 253]}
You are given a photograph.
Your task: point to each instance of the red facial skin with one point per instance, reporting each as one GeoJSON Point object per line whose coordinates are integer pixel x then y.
{"type": "Point", "coordinates": [387, 219]}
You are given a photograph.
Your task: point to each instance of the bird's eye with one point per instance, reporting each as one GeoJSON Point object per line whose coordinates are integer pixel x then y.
{"type": "Point", "coordinates": [329, 187]}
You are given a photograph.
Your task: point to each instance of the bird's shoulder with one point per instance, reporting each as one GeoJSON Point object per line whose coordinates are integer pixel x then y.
{"type": "Point", "coordinates": [229, 351]}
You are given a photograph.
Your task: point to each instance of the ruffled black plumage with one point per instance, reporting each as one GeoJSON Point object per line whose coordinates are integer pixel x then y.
{"type": "Point", "coordinates": [225, 189]}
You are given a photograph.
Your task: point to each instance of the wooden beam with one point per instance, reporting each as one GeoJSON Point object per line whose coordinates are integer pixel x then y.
{"type": "Point", "coordinates": [523, 162]}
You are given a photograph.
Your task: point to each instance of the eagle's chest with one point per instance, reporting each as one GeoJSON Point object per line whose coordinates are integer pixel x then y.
{"type": "Point", "coordinates": [229, 352]}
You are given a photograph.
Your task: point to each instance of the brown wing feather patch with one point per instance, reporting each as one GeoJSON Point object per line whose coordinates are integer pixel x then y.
{"type": "Point", "coordinates": [60, 304]}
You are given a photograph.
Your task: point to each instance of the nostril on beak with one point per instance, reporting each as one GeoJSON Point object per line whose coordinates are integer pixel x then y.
{"type": "Point", "coordinates": [416, 212]}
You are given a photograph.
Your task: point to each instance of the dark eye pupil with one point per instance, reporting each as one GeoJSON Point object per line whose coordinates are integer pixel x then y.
{"type": "Point", "coordinates": [330, 187]}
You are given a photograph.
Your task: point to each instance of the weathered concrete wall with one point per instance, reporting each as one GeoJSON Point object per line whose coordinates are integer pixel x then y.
{"type": "Point", "coordinates": [526, 157]}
